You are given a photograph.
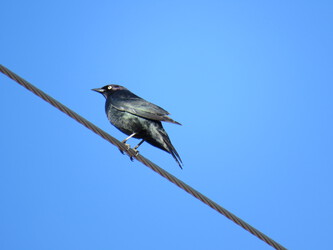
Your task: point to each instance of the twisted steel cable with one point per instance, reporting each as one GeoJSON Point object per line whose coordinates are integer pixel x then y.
{"type": "Point", "coordinates": [130, 152]}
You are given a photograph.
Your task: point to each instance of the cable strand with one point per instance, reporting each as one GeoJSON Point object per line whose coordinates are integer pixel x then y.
{"type": "Point", "coordinates": [130, 152]}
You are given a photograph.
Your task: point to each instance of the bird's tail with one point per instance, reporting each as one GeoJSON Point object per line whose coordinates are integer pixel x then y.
{"type": "Point", "coordinates": [160, 139]}
{"type": "Point", "coordinates": [172, 151]}
{"type": "Point", "coordinates": [168, 119]}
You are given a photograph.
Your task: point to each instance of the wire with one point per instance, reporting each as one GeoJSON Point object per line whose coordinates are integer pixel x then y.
{"type": "Point", "coordinates": [130, 152]}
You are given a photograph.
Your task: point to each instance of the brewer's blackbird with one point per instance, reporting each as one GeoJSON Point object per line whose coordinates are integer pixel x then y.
{"type": "Point", "coordinates": [138, 118]}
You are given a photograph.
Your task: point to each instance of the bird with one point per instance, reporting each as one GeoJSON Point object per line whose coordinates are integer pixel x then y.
{"type": "Point", "coordinates": [138, 118]}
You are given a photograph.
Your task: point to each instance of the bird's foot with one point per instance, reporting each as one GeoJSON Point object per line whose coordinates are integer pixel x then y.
{"type": "Point", "coordinates": [127, 148]}
{"type": "Point", "coordinates": [136, 151]}
{"type": "Point", "coordinates": [136, 154]}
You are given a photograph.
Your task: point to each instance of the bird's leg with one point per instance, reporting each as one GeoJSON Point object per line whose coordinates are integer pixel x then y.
{"type": "Point", "coordinates": [124, 141]}
{"type": "Point", "coordinates": [127, 145]}
{"type": "Point", "coordinates": [136, 147]}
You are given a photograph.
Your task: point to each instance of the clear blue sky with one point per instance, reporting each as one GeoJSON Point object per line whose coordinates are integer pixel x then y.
{"type": "Point", "coordinates": [251, 82]}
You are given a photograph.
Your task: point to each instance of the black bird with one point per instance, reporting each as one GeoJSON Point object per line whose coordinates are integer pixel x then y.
{"type": "Point", "coordinates": [138, 118]}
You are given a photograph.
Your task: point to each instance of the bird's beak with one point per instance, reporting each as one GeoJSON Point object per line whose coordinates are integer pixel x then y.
{"type": "Point", "coordinates": [99, 90]}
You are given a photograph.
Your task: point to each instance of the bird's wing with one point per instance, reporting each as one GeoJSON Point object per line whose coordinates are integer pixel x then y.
{"type": "Point", "coordinates": [140, 107]}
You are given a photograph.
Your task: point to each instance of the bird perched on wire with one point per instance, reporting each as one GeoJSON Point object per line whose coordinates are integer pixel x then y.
{"type": "Point", "coordinates": [138, 118]}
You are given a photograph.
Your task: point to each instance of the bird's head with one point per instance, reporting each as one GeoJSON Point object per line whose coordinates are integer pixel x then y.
{"type": "Point", "coordinates": [108, 90]}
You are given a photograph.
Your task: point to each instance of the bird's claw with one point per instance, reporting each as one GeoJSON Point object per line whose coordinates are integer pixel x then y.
{"type": "Point", "coordinates": [136, 151]}
{"type": "Point", "coordinates": [136, 154]}
{"type": "Point", "coordinates": [127, 148]}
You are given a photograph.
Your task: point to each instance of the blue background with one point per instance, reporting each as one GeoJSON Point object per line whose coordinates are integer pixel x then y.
{"type": "Point", "coordinates": [251, 82]}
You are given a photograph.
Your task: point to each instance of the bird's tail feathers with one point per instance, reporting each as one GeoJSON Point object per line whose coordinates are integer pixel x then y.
{"type": "Point", "coordinates": [173, 151]}
{"type": "Point", "coordinates": [168, 119]}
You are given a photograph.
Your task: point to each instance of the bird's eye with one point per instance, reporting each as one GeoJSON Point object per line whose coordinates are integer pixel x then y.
{"type": "Point", "coordinates": [109, 87]}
